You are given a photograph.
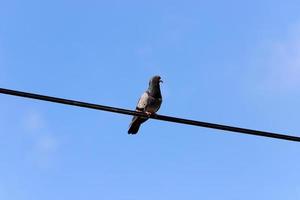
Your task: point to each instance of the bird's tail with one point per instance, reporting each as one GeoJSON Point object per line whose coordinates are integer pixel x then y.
{"type": "Point", "coordinates": [134, 128]}
{"type": "Point", "coordinates": [135, 125]}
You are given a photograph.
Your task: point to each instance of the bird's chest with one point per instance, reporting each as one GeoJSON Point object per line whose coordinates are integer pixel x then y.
{"type": "Point", "coordinates": [153, 105]}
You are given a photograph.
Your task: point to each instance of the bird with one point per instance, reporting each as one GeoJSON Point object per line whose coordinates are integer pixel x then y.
{"type": "Point", "coordinates": [149, 103]}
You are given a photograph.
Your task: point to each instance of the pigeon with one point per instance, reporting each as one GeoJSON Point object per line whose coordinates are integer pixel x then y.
{"type": "Point", "coordinates": [149, 103]}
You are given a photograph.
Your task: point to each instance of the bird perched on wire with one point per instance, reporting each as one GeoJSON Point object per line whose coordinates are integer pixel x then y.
{"type": "Point", "coordinates": [149, 103]}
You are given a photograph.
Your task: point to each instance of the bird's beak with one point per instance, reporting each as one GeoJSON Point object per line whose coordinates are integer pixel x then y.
{"type": "Point", "coordinates": [161, 81]}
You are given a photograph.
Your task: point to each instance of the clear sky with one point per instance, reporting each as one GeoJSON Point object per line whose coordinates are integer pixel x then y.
{"type": "Point", "coordinates": [230, 62]}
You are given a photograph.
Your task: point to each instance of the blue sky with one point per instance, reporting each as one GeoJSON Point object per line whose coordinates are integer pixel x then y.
{"type": "Point", "coordinates": [229, 62]}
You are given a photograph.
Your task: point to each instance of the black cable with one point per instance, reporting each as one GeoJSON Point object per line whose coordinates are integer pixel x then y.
{"type": "Point", "coordinates": [158, 117]}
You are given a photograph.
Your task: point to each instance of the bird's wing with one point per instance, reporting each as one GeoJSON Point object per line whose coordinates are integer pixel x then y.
{"type": "Point", "coordinates": [143, 102]}
{"type": "Point", "coordinates": [137, 121]}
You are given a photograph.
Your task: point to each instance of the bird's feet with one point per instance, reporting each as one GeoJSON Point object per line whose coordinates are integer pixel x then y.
{"type": "Point", "coordinates": [149, 113]}
{"type": "Point", "coordinates": [152, 114]}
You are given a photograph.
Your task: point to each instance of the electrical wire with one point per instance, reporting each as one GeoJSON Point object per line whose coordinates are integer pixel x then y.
{"type": "Point", "coordinates": [154, 116]}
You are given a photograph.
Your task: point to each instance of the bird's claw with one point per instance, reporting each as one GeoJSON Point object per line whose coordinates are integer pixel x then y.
{"type": "Point", "coordinates": [148, 113]}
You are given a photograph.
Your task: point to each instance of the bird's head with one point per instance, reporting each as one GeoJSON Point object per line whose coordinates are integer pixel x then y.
{"type": "Point", "coordinates": [155, 80]}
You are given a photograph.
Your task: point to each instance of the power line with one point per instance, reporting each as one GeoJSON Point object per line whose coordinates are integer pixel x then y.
{"type": "Point", "coordinates": [157, 117]}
